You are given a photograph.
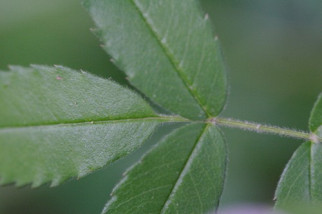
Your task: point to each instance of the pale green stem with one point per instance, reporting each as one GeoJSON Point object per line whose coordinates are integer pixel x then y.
{"type": "Point", "coordinates": [256, 127]}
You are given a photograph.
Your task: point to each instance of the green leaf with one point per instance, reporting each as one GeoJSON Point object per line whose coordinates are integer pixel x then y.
{"type": "Point", "coordinates": [184, 173]}
{"type": "Point", "coordinates": [167, 49]}
{"type": "Point", "coordinates": [301, 180]}
{"type": "Point", "coordinates": [294, 185]}
{"type": "Point", "coordinates": [57, 123]}
{"type": "Point", "coordinates": [316, 115]}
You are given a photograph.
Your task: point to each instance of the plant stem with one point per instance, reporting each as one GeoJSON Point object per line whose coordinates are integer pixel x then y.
{"type": "Point", "coordinates": [256, 127]}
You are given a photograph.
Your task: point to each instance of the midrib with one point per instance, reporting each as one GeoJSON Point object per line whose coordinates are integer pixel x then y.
{"type": "Point", "coordinates": [171, 60]}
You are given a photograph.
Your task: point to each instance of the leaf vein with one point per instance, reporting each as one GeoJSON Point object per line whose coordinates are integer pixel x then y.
{"type": "Point", "coordinates": [183, 169]}
{"type": "Point", "coordinates": [94, 122]}
{"type": "Point", "coordinates": [171, 59]}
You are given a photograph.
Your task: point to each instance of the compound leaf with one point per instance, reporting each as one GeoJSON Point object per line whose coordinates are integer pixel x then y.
{"type": "Point", "coordinates": [301, 180]}
{"type": "Point", "coordinates": [57, 123]}
{"type": "Point", "coordinates": [184, 173]}
{"type": "Point", "coordinates": [167, 50]}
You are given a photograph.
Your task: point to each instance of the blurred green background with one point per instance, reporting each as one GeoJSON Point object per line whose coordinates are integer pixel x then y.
{"type": "Point", "coordinates": [274, 53]}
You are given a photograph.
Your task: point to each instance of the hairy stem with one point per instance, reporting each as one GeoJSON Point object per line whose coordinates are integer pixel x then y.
{"type": "Point", "coordinates": [256, 127]}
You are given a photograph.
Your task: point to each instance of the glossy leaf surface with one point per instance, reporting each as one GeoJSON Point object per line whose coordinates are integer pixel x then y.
{"type": "Point", "coordinates": [167, 49]}
{"type": "Point", "coordinates": [57, 123]}
{"type": "Point", "coordinates": [184, 173]}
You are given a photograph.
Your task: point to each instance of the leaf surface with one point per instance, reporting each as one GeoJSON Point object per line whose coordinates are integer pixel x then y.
{"type": "Point", "coordinates": [57, 123]}
{"type": "Point", "coordinates": [301, 180]}
{"type": "Point", "coordinates": [316, 115]}
{"type": "Point", "coordinates": [167, 50]}
{"type": "Point", "coordinates": [184, 173]}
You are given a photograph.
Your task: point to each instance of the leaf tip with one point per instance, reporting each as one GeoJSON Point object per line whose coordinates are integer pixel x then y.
{"type": "Point", "coordinates": [14, 67]}
{"type": "Point", "coordinates": [59, 66]}
{"type": "Point", "coordinates": [56, 181]}
{"type": "Point", "coordinates": [20, 183]}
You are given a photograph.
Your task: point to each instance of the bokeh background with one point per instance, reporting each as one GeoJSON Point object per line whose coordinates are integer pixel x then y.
{"type": "Point", "coordinates": [274, 53]}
